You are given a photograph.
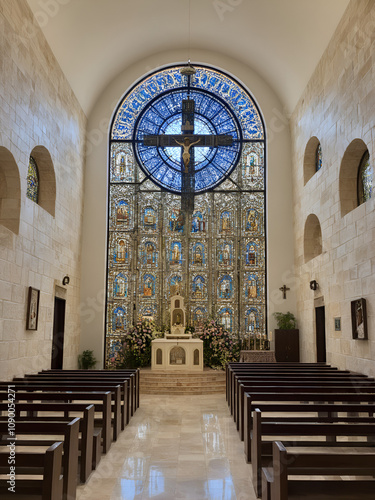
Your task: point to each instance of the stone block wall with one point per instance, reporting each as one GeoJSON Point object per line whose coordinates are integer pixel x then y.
{"type": "Point", "coordinates": [39, 247]}
{"type": "Point", "coordinates": [337, 108]}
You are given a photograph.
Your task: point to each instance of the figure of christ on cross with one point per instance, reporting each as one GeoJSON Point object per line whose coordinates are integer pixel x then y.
{"type": "Point", "coordinates": [187, 140]}
{"type": "Point", "coordinates": [186, 152]}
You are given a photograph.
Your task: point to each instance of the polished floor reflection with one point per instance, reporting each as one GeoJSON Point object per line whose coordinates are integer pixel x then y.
{"type": "Point", "coordinates": [175, 447]}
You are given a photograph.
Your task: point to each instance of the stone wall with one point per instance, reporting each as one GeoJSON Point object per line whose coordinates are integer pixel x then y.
{"type": "Point", "coordinates": [39, 244]}
{"type": "Point", "coordinates": [338, 109]}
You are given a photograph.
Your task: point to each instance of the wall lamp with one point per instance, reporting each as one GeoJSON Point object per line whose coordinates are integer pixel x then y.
{"type": "Point", "coordinates": [66, 280]}
{"type": "Point", "coordinates": [314, 285]}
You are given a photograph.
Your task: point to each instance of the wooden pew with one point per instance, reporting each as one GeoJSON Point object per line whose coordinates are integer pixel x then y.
{"type": "Point", "coordinates": [239, 380]}
{"type": "Point", "coordinates": [90, 442]}
{"type": "Point", "coordinates": [291, 372]}
{"type": "Point", "coordinates": [277, 484]}
{"type": "Point", "coordinates": [73, 387]}
{"type": "Point", "coordinates": [252, 400]}
{"type": "Point", "coordinates": [101, 400]}
{"type": "Point", "coordinates": [317, 411]}
{"type": "Point", "coordinates": [134, 375]}
{"type": "Point", "coordinates": [283, 385]}
{"type": "Point", "coordinates": [70, 432]}
{"type": "Point", "coordinates": [131, 375]}
{"type": "Point", "coordinates": [47, 464]}
{"type": "Point", "coordinates": [94, 380]}
{"type": "Point", "coordinates": [262, 368]}
{"type": "Point", "coordinates": [261, 446]}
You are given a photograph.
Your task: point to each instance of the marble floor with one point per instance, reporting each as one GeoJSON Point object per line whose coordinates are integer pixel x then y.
{"type": "Point", "coordinates": [175, 447]}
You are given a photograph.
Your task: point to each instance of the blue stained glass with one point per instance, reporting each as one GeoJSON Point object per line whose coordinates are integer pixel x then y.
{"type": "Point", "coordinates": [32, 181]}
{"type": "Point", "coordinates": [205, 79]}
{"type": "Point", "coordinates": [252, 320]}
{"type": "Point", "coordinates": [153, 107]}
{"type": "Point", "coordinates": [365, 177]}
{"type": "Point", "coordinates": [318, 158]}
{"type": "Point", "coordinates": [163, 116]}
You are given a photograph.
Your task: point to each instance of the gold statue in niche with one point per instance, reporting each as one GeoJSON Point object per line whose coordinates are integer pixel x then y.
{"type": "Point", "coordinates": [198, 257]}
{"type": "Point", "coordinates": [122, 214]}
{"type": "Point", "coordinates": [175, 254]}
{"type": "Point", "coordinates": [149, 252]}
{"type": "Point", "coordinates": [226, 255]}
{"type": "Point", "coordinates": [252, 221]}
{"type": "Point", "coordinates": [252, 289]}
{"type": "Point", "coordinates": [121, 252]}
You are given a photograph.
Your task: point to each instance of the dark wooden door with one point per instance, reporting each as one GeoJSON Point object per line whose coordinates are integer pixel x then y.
{"type": "Point", "coordinates": [320, 320]}
{"type": "Point", "coordinates": [58, 334]}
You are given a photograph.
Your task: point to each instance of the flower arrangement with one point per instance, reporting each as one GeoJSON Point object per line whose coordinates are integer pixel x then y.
{"type": "Point", "coordinates": [219, 346]}
{"type": "Point", "coordinates": [134, 350]}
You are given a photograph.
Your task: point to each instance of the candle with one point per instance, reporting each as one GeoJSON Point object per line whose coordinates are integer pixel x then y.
{"type": "Point", "coordinates": [270, 337]}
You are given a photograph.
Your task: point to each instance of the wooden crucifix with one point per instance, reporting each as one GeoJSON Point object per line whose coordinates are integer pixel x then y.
{"type": "Point", "coordinates": [284, 289]}
{"type": "Point", "coordinates": [187, 140]}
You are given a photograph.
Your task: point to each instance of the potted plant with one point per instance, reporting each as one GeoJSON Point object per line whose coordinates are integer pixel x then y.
{"type": "Point", "coordinates": [285, 321]}
{"type": "Point", "coordinates": [286, 337]}
{"type": "Point", "coordinates": [86, 360]}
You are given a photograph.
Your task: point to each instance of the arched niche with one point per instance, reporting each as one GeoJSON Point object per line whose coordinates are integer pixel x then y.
{"type": "Point", "coordinates": [159, 357]}
{"type": "Point", "coordinates": [47, 179]}
{"type": "Point", "coordinates": [348, 177]}
{"type": "Point", "coordinates": [10, 191]}
{"type": "Point", "coordinates": [312, 238]}
{"type": "Point", "coordinates": [177, 356]}
{"type": "Point", "coordinates": [309, 159]}
{"type": "Point", "coordinates": [196, 357]}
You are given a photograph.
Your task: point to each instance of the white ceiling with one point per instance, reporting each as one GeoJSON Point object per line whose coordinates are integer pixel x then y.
{"type": "Point", "coordinates": [95, 40]}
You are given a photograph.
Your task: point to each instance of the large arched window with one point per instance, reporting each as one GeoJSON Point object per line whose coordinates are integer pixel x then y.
{"type": "Point", "coordinates": [186, 201]}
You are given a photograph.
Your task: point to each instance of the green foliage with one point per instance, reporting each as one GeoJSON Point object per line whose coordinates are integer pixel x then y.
{"type": "Point", "coordinates": [285, 321]}
{"type": "Point", "coordinates": [190, 329]}
{"type": "Point", "coordinates": [86, 360]}
{"type": "Point", "coordinates": [219, 346]}
{"type": "Point", "coordinates": [135, 348]}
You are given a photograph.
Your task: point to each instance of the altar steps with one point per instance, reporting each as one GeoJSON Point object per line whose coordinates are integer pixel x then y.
{"type": "Point", "coordinates": [167, 382]}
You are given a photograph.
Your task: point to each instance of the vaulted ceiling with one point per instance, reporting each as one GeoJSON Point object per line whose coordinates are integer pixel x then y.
{"type": "Point", "coordinates": [95, 40]}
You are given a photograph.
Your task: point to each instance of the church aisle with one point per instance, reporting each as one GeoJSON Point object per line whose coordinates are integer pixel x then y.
{"type": "Point", "coordinates": [175, 447]}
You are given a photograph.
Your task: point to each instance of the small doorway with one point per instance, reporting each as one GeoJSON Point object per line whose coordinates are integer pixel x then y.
{"type": "Point", "coordinates": [320, 322]}
{"type": "Point", "coordinates": [58, 334]}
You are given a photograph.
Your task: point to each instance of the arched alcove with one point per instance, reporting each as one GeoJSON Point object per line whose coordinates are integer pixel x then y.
{"type": "Point", "coordinates": [348, 176]}
{"type": "Point", "coordinates": [312, 238]}
{"type": "Point", "coordinates": [177, 356]}
{"type": "Point", "coordinates": [159, 357]}
{"type": "Point", "coordinates": [310, 159]}
{"type": "Point", "coordinates": [10, 191]}
{"type": "Point", "coordinates": [47, 179]}
{"type": "Point", "coordinates": [196, 357]}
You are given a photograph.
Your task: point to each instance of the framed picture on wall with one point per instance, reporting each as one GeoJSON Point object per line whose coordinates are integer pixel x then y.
{"type": "Point", "coordinates": [32, 309]}
{"type": "Point", "coordinates": [359, 319]}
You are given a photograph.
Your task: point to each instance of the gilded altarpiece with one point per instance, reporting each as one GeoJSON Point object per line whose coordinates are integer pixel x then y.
{"type": "Point", "coordinates": [215, 256]}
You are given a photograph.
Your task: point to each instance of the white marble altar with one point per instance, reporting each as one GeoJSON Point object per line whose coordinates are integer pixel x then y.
{"type": "Point", "coordinates": [177, 351]}
{"type": "Point", "coordinates": [172, 354]}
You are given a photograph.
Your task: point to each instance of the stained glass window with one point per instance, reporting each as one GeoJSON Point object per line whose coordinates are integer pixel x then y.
{"type": "Point", "coordinates": [365, 176]}
{"type": "Point", "coordinates": [163, 117]}
{"type": "Point", "coordinates": [32, 180]}
{"type": "Point", "coordinates": [214, 256]}
{"type": "Point", "coordinates": [318, 158]}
